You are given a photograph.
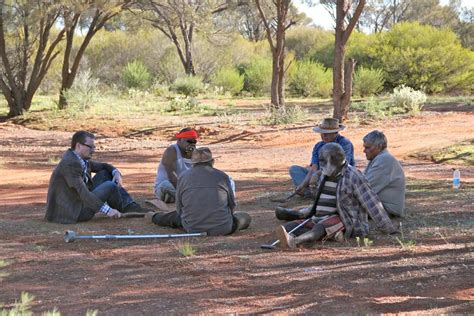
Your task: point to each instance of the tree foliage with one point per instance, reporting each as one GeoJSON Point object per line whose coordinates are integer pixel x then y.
{"type": "Point", "coordinates": [309, 79]}
{"type": "Point", "coordinates": [88, 16]}
{"type": "Point", "coordinates": [28, 44]}
{"type": "Point", "coordinates": [425, 58]}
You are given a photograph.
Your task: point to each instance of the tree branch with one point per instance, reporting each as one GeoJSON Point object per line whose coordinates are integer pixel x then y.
{"type": "Point", "coordinates": [353, 22]}
{"type": "Point", "coordinates": [266, 25]}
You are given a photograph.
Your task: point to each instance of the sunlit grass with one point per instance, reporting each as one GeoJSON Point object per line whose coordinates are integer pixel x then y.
{"type": "Point", "coordinates": [457, 154]}
{"type": "Point", "coordinates": [186, 249]}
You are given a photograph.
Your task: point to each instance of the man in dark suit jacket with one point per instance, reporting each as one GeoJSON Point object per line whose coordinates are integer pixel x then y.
{"type": "Point", "coordinates": [74, 196]}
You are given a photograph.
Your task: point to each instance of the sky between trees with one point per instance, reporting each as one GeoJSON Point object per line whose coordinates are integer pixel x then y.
{"type": "Point", "coordinates": [322, 18]}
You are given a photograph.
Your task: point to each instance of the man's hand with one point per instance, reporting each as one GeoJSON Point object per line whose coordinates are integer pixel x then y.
{"type": "Point", "coordinates": [113, 213]}
{"type": "Point", "coordinates": [314, 177]}
{"type": "Point", "coordinates": [300, 189]}
{"type": "Point", "coordinates": [117, 179]}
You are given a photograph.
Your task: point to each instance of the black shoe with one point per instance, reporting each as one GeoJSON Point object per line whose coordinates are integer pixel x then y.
{"type": "Point", "coordinates": [168, 198]}
{"type": "Point", "coordinates": [287, 214]}
{"type": "Point", "coordinates": [135, 208]}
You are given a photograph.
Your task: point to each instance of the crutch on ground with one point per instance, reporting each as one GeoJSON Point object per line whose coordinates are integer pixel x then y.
{"type": "Point", "coordinates": [70, 236]}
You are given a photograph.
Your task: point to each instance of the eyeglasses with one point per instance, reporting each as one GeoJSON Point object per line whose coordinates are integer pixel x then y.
{"type": "Point", "coordinates": [90, 146]}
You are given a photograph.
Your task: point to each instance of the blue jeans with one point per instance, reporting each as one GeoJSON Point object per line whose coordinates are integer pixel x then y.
{"type": "Point", "coordinates": [107, 191]}
{"type": "Point", "coordinates": [165, 187]}
{"type": "Point", "coordinates": [298, 174]}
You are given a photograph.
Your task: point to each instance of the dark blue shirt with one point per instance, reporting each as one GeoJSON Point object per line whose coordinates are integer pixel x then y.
{"type": "Point", "coordinates": [341, 140]}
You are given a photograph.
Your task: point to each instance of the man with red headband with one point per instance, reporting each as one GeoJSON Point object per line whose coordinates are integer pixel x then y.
{"type": "Point", "coordinates": [176, 159]}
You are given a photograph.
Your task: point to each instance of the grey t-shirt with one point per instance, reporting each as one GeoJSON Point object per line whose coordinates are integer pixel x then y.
{"type": "Point", "coordinates": [205, 200]}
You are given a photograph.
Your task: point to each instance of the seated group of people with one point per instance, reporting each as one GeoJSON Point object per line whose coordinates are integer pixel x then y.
{"type": "Point", "coordinates": [343, 197]}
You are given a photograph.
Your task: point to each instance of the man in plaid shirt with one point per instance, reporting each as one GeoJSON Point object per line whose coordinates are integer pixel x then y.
{"type": "Point", "coordinates": [354, 202]}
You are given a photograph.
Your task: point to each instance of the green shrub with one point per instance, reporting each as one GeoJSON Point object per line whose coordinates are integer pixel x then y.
{"type": "Point", "coordinates": [425, 57]}
{"type": "Point", "coordinates": [183, 104]}
{"type": "Point", "coordinates": [284, 115]}
{"type": "Point", "coordinates": [229, 79]}
{"type": "Point", "coordinates": [84, 93]}
{"type": "Point", "coordinates": [307, 78]}
{"type": "Point", "coordinates": [373, 108]}
{"type": "Point", "coordinates": [368, 81]}
{"type": "Point", "coordinates": [258, 76]}
{"type": "Point", "coordinates": [160, 90]}
{"type": "Point", "coordinates": [188, 86]}
{"type": "Point", "coordinates": [407, 100]}
{"type": "Point", "coordinates": [304, 41]}
{"type": "Point", "coordinates": [136, 75]}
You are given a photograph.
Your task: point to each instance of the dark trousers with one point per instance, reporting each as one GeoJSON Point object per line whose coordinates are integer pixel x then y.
{"type": "Point", "coordinates": [173, 220]}
{"type": "Point", "coordinates": [107, 191]}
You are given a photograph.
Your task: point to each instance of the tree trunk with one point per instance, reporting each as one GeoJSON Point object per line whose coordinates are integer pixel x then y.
{"type": "Point", "coordinates": [346, 97]}
{"type": "Point", "coordinates": [18, 102]}
{"type": "Point", "coordinates": [338, 78]}
{"type": "Point", "coordinates": [277, 47]}
{"type": "Point", "coordinates": [342, 86]}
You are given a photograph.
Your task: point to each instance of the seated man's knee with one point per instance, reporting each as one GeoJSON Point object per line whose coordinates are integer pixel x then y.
{"type": "Point", "coordinates": [294, 169]}
{"type": "Point", "coordinates": [166, 192]}
{"type": "Point", "coordinates": [102, 176]}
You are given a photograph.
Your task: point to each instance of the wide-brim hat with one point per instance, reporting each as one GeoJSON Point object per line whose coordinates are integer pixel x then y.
{"type": "Point", "coordinates": [328, 125]}
{"type": "Point", "coordinates": [202, 154]}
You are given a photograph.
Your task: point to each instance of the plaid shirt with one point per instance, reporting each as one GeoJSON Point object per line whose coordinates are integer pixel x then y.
{"type": "Point", "coordinates": [355, 201]}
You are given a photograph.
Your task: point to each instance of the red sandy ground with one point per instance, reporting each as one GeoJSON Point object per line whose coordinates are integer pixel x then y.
{"type": "Point", "coordinates": [232, 274]}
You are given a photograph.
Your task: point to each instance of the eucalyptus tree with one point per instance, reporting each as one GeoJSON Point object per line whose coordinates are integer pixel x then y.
{"type": "Point", "coordinates": [83, 17]}
{"type": "Point", "coordinates": [28, 45]}
{"type": "Point", "coordinates": [277, 16]}
{"type": "Point", "coordinates": [346, 19]}
{"type": "Point", "coordinates": [179, 20]}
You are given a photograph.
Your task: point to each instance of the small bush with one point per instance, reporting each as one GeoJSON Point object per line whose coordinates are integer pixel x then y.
{"type": "Point", "coordinates": [138, 97]}
{"type": "Point", "coordinates": [84, 93]}
{"type": "Point", "coordinates": [373, 108]}
{"type": "Point", "coordinates": [258, 76]}
{"type": "Point", "coordinates": [368, 81]}
{"type": "Point", "coordinates": [310, 79]}
{"type": "Point", "coordinates": [229, 79]}
{"type": "Point", "coordinates": [186, 249]}
{"type": "Point", "coordinates": [160, 90]}
{"type": "Point", "coordinates": [136, 75]}
{"type": "Point", "coordinates": [180, 104]}
{"type": "Point", "coordinates": [284, 115]}
{"type": "Point", "coordinates": [188, 86]}
{"type": "Point", "coordinates": [407, 100]}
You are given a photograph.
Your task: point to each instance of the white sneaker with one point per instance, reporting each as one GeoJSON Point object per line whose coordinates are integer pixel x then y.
{"type": "Point", "coordinates": [286, 240]}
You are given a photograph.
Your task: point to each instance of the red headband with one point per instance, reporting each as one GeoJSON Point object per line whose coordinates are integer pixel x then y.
{"type": "Point", "coordinates": [187, 134]}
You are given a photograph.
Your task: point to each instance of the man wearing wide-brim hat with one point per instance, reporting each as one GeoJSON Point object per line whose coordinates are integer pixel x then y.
{"type": "Point", "coordinates": [329, 129]}
{"type": "Point", "coordinates": [205, 200]}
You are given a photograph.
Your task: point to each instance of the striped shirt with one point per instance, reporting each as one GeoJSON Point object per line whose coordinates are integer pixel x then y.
{"type": "Point", "coordinates": [356, 201]}
{"type": "Point", "coordinates": [327, 201]}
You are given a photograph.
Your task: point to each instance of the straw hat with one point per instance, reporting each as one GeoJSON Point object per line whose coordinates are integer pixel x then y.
{"type": "Point", "coordinates": [328, 125]}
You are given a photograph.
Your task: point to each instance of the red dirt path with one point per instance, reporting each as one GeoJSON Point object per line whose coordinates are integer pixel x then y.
{"type": "Point", "coordinates": [232, 274]}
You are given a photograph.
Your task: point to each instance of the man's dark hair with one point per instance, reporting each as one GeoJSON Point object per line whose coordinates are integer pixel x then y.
{"type": "Point", "coordinates": [376, 138]}
{"type": "Point", "coordinates": [80, 137]}
{"type": "Point", "coordinates": [186, 129]}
